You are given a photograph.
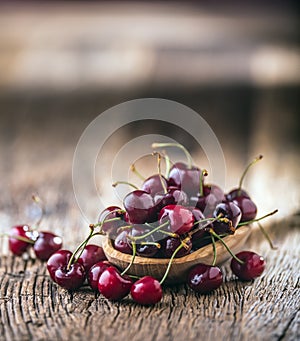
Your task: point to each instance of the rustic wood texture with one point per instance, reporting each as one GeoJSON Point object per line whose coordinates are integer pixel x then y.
{"type": "Point", "coordinates": [32, 307]}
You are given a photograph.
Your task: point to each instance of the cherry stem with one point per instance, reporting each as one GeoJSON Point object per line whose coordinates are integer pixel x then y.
{"type": "Point", "coordinates": [170, 262]}
{"type": "Point", "coordinates": [132, 259]}
{"type": "Point", "coordinates": [148, 233]}
{"type": "Point", "coordinates": [209, 222]}
{"type": "Point", "coordinates": [246, 171]}
{"type": "Point", "coordinates": [214, 250]}
{"type": "Point", "coordinates": [178, 145]}
{"type": "Point", "coordinates": [212, 232]}
{"type": "Point", "coordinates": [136, 172]}
{"type": "Point", "coordinates": [256, 220]}
{"type": "Point", "coordinates": [115, 184]}
{"type": "Point", "coordinates": [40, 203]}
{"type": "Point", "coordinates": [23, 239]}
{"type": "Point", "coordinates": [265, 233]}
{"type": "Point", "coordinates": [159, 172]}
{"type": "Point", "coordinates": [170, 234]}
{"type": "Point", "coordinates": [168, 165]}
{"type": "Point", "coordinates": [151, 243]}
{"type": "Point", "coordinates": [202, 175]}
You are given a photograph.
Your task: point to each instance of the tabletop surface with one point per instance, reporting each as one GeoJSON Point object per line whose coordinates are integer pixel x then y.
{"type": "Point", "coordinates": [32, 307]}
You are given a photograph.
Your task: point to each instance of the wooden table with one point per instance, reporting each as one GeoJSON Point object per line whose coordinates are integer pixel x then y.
{"type": "Point", "coordinates": [32, 307]}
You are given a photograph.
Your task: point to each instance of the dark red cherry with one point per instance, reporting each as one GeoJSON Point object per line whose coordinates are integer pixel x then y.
{"type": "Point", "coordinates": [204, 278]}
{"type": "Point", "coordinates": [185, 178]}
{"type": "Point", "coordinates": [112, 212]}
{"type": "Point", "coordinates": [146, 291]}
{"type": "Point", "coordinates": [46, 244]}
{"type": "Point", "coordinates": [230, 211]}
{"type": "Point", "coordinates": [174, 196]}
{"type": "Point", "coordinates": [181, 218]}
{"type": "Point", "coordinates": [197, 237]}
{"type": "Point", "coordinates": [91, 255]}
{"type": "Point", "coordinates": [17, 246]}
{"type": "Point", "coordinates": [252, 267]}
{"type": "Point", "coordinates": [57, 265]}
{"type": "Point", "coordinates": [237, 192]}
{"type": "Point", "coordinates": [94, 273]}
{"type": "Point", "coordinates": [154, 185]}
{"type": "Point", "coordinates": [212, 195]}
{"type": "Point", "coordinates": [247, 207]}
{"type": "Point", "coordinates": [171, 244]}
{"type": "Point", "coordinates": [140, 207]}
{"type": "Point", "coordinates": [121, 242]}
{"type": "Point", "coordinates": [112, 285]}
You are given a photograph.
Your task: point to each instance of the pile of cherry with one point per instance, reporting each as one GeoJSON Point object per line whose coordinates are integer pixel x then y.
{"type": "Point", "coordinates": [170, 216]}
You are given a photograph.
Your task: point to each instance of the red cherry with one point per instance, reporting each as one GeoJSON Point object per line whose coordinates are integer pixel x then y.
{"type": "Point", "coordinates": [95, 272]}
{"type": "Point", "coordinates": [154, 185]}
{"type": "Point", "coordinates": [69, 278]}
{"type": "Point", "coordinates": [90, 256]}
{"type": "Point", "coordinates": [146, 291]}
{"type": "Point", "coordinates": [247, 207]}
{"type": "Point", "coordinates": [46, 244]}
{"type": "Point", "coordinates": [252, 267]}
{"type": "Point", "coordinates": [204, 278]}
{"type": "Point", "coordinates": [111, 212]}
{"type": "Point", "coordinates": [112, 285]}
{"type": "Point", "coordinates": [181, 218]}
{"type": "Point", "coordinates": [17, 246]}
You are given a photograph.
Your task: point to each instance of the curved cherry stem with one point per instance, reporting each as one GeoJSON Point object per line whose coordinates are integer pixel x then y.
{"type": "Point", "coordinates": [202, 175]}
{"type": "Point", "coordinates": [178, 145]}
{"type": "Point", "coordinates": [258, 219]}
{"type": "Point", "coordinates": [214, 250]}
{"type": "Point", "coordinates": [264, 232]}
{"type": "Point", "coordinates": [209, 222]}
{"type": "Point", "coordinates": [159, 172]}
{"type": "Point", "coordinates": [136, 172]}
{"type": "Point", "coordinates": [41, 204]}
{"type": "Point", "coordinates": [212, 232]}
{"type": "Point", "coordinates": [148, 233]}
{"type": "Point", "coordinates": [168, 164]}
{"type": "Point", "coordinates": [132, 259]}
{"type": "Point", "coordinates": [246, 171]}
{"type": "Point", "coordinates": [115, 184]}
{"type": "Point", "coordinates": [23, 239]}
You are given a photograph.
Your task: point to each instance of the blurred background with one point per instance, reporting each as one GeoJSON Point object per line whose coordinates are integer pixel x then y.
{"type": "Point", "coordinates": [63, 63]}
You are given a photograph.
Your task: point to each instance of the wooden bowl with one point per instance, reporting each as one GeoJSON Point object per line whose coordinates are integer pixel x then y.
{"type": "Point", "coordinates": [156, 267]}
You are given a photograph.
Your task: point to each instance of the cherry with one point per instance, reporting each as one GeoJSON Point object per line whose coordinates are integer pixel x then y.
{"type": "Point", "coordinates": [230, 211]}
{"type": "Point", "coordinates": [237, 192]}
{"type": "Point", "coordinates": [153, 184]}
{"type": "Point", "coordinates": [174, 196]}
{"type": "Point", "coordinates": [146, 291]}
{"type": "Point", "coordinates": [247, 207]}
{"type": "Point", "coordinates": [68, 277]}
{"type": "Point", "coordinates": [204, 278]}
{"type": "Point", "coordinates": [111, 212]}
{"type": "Point", "coordinates": [112, 285]}
{"type": "Point", "coordinates": [90, 256]}
{"type": "Point", "coordinates": [95, 272]}
{"type": "Point", "coordinates": [121, 242]}
{"type": "Point", "coordinates": [17, 239]}
{"type": "Point", "coordinates": [171, 244]}
{"type": "Point", "coordinates": [46, 244]}
{"type": "Point", "coordinates": [185, 177]}
{"type": "Point", "coordinates": [181, 218]}
{"type": "Point", "coordinates": [252, 267]}
{"type": "Point", "coordinates": [140, 207]}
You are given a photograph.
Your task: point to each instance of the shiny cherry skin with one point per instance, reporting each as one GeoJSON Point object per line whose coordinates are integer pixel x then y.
{"type": "Point", "coordinates": [95, 272]}
{"type": "Point", "coordinates": [230, 211]}
{"type": "Point", "coordinates": [121, 242]}
{"type": "Point", "coordinates": [112, 285]}
{"type": "Point", "coordinates": [204, 278]}
{"type": "Point", "coordinates": [154, 185]}
{"type": "Point", "coordinates": [174, 196]}
{"type": "Point", "coordinates": [181, 218]}
{"type": "Point", "coordinates": [140, 207]}
{"type": "Point", "coordinates": [247, 207]}
{"type": "Point", "coordinates": [90, 256]}
{"type": "Point", "coordinates": [237, 192]}
{"type": "Point", "coordinates": [253, 266]}
{"type": "Point", "coordinates": [212, 195]}
{"type": "Point", "coordinates": [146, 291]}
{"type": "Point", "coordinates": [170, 244]}
{"type": "Point", "coordinates": [112, 212]}
{"type": "Point", "coordinates": [185, 178]}
{"type": "Point", "coordinates": [17, 246]}
{"type": "Point", "coordinates": [70, 279]}
{"type": "Point", "coordinates": [46, 244]}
